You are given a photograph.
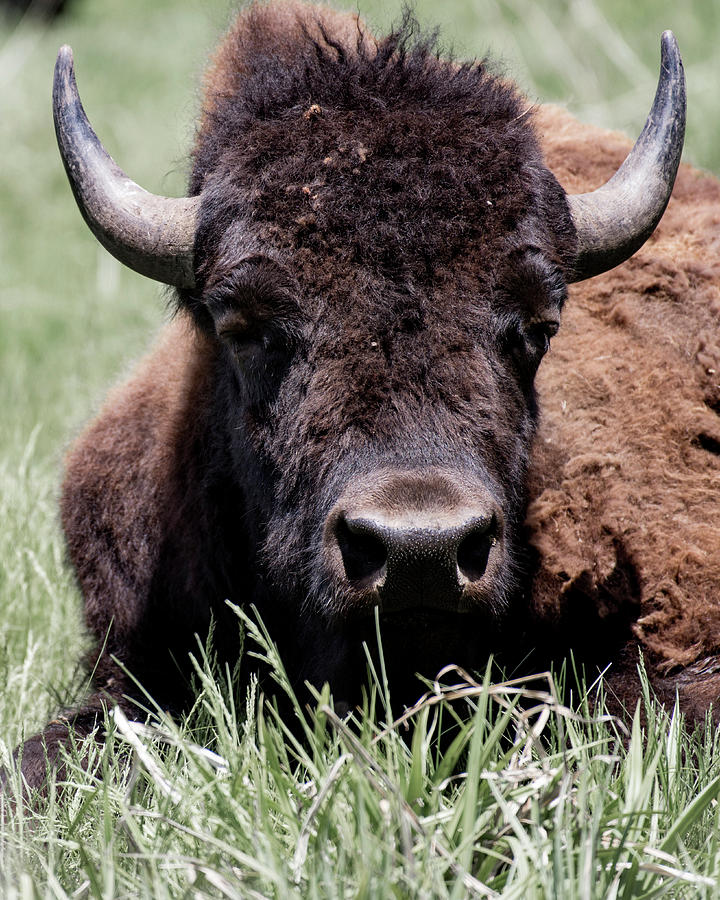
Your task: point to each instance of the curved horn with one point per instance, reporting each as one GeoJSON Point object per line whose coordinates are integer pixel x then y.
{"type": "Point", "coordinates": [615, 220]}
{"type": "Point", "coordinates": [151, 234]}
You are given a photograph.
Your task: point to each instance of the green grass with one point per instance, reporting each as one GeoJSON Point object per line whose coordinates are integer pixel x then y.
{"type": "Point", "coordinates": [529, 800]}
{"type": "Point", "coordinates": [72, 319]}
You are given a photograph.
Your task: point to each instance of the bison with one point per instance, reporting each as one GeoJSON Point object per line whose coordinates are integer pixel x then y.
{"type": "Point", "coordinates": [343, 415]}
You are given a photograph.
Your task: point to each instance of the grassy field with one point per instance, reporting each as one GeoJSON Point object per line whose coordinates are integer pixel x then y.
{"type": "Point", "coordinates": [346, 815]}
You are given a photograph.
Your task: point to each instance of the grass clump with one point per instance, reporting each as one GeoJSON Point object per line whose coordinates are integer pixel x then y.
{"type": "Point", "coordinates": [481, 789]}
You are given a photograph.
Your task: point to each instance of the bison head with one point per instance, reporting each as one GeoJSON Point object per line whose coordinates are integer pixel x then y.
{"type": "Point", "coordinates": [379, 256]}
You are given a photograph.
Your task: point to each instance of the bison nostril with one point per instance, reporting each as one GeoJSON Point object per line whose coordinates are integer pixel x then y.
{"type": "Point", "coordinates": [474, 549]}
{"type": "Point", "coordinates": [364, 555]}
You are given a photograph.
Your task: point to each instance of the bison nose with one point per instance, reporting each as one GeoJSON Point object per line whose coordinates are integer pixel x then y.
{"type": "Point", "coordinates": [417, 563]}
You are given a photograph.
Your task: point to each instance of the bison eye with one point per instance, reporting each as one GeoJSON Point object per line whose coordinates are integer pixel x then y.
{"type": "Point", "coordinates": [247, 343]}
{"type": "Point", "coordinates": [238, 330]}
{"type": "Point", "coordinates": [260, 345]}
{"type": "Point", "coordinates": [527, 344]}
{"type": "Point", "coordinates": [242, 330]}
{"type": "Point", "coordinates": [540, 333]}
{"type": "Point", "coordinates": [242, 345]}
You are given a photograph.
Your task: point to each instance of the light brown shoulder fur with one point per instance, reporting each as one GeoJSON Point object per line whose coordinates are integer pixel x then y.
{"type": "Point", "coordinates": [628, 455]}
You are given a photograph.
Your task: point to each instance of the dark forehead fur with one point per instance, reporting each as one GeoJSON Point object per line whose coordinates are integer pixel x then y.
{"type": "Point", "coordinates": [378, 154]}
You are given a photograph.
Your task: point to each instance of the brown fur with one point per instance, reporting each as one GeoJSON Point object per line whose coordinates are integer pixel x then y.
{"type": "Point", "coordinates": [628, 453]}
{"type": "Point", "coordinates": [142, 436]}
{"type": "Point", "coordinates": [268, 29]}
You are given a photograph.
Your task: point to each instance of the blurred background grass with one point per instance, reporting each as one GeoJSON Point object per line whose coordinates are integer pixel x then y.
{"type": "Point", "coordinates": [71, 318]}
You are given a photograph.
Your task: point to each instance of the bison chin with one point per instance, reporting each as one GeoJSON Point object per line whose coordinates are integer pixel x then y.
{"type": "Point", "coordinates": [408, 646]}
{"type": "Point", "coordinates": [419, 644]}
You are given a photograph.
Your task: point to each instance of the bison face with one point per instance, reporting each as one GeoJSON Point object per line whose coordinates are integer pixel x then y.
{"type": "Point", "coordinates": [382, 284]}
{"type": "Point", "coordinates": [381, 421]}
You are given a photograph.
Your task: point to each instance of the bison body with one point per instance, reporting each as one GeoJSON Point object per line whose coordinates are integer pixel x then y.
{"type": "Point", "coordinates": [343, 413]}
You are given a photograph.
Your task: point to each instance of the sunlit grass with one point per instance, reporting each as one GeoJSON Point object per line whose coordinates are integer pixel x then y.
{"type": "Point", "coordinates": [527, 798]}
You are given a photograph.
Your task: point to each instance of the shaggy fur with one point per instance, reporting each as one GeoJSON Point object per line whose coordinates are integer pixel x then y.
{"type": "Point", "coordinates": [625, 496]}
{"type": "Point", "coordinates": [379, 238]}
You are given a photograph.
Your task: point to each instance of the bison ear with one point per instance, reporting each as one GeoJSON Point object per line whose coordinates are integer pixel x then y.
{"type": "Point", "coordinates": [151, 234]}
{"type": "Point", "coordinates": [615, 220]}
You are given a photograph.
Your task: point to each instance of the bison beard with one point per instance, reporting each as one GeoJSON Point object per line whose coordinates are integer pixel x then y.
{"type": "Point", "coordinates": [341, 415]}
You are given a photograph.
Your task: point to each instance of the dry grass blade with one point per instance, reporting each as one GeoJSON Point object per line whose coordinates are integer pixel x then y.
{"type": "Point", "coordinates": [304, 836]}
{"type": "Point", "coordinates": [546, 702]}
{"type": "Point", "coordinates": [128, 732]}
